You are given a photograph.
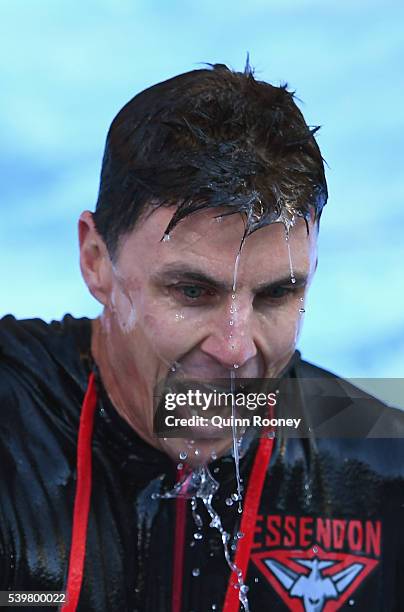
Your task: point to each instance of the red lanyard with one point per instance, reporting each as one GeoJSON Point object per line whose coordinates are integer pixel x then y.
{"type": "Point", "coordinates": [82, 498]}
{"type": "Point", "coordinates": [82, 507]}
{"type": "Point", "coordinates": [248, 520]}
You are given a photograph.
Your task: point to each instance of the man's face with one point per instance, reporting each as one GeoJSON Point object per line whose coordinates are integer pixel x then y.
{"type": "Point", "coordinates": [170, 311]}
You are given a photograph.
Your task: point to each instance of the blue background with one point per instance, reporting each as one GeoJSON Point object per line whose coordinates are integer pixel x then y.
{"type": "Point", "coordinates": [68, 67]}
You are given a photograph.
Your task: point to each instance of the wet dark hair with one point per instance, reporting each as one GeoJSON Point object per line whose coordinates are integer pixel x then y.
{"type": "Point", "coordinates": [209, 138]}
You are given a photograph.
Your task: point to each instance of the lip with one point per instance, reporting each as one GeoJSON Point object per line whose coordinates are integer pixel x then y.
{"type": "Point", "coordinates": [200, 366]}
{"type": "Point", "coordinates": [201, 373]}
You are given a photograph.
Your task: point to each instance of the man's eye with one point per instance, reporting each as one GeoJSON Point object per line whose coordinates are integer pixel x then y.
{"type": "Point", "coordinates": [277, 293]}
{"type": "Point", "coordinates": [192, 291]}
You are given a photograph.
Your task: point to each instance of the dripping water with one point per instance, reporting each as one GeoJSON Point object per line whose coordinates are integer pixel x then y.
{"type": "Point", "coordinates": [236, 454]}
{"type": "Point", "coordinates": [242, 588]}
{"type": "Point", "coordinates": [235, 273]}
{"type": "Point", "coordinates": [288, 223]}
{"type": "Point", "coordinates": [208, 488]}
{"type": "Point", "coordinates": [200, 484]}
{"type": "Point", "coordinates": [292, 274]}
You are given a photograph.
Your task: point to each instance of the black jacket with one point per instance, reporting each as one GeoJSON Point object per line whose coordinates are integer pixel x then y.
{"type": "Point", "coordinates": [329, 533]}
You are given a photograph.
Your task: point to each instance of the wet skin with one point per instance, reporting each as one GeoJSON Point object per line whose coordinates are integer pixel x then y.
{"type": "Point", "coordinates": [167, 303]}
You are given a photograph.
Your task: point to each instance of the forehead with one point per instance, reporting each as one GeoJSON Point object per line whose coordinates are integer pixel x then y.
{"type": "Point", "coordinates": [208, 243]}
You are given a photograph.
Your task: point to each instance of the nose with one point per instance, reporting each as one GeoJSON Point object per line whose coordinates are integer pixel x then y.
{"type": "Point", "coordinates": [230, 340]}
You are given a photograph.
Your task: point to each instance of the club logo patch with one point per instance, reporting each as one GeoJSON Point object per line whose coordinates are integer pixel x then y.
{"type": "Point", "coordinates": [315, 565]}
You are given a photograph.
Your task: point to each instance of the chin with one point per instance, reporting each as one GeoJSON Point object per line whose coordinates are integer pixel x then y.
{"type": "Point", "coordinates": [200, 452]}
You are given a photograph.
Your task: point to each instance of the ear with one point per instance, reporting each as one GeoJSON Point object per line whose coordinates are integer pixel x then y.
{"type": "Point", "coordinates": [95, 263]}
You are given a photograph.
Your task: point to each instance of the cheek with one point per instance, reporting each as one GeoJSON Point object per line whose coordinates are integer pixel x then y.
{"type": "Point", "coordinates": [280, 331]}
{"type": "Point", "coordinates": [169, 334]}
{"type": "Point", "coordinates": [123, 308]}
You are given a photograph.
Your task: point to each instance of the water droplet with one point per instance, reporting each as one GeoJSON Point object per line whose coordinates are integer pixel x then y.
{"type": "Point", "coordinates": [256, 579]}
{"type": "Point", "coordinates": [166, 238]}
{"type": "Point", "coordinates": [183, 455]}
{"type": "Point", "coordinates": [292, 280]}
{"type": "Point", "coordinates": [351, 602]}
{"type": "Point", "coordinates": [213, 607]}
{"type": "Point", "coordinates": [198, 536]}
{"type": "Point", "coordinates": [219, 219]}
{"type": "Point", "coordinates": [302, 310]}
{"type": "Point", "coordinates": [240, 535]}
{"type": "Point", "coordinates": [216, 470]}
{"type": "Point", "coordinates": [213, 455]}
{"type": "Point", "coordinates": [233, 547]}
{"type": "Point", "coordinates": [315, 550]}
{"type": "Point", "coordinates": [271, 434]}
{"type": "Point", "coordinates": [229, 501]}
{"type": "Point", "coordinates": [197, 451]}
{"type": "Point", "coordinates": [233, 296]}
{"type": "Point", "coordinates": [196, 571]}
{"type": "Point", "coordinates": [180, 466]}
{"type": "Point", "coordinates": [301, 299]}
{"type": "Point", "coordinates": [235, 366]}
{"type": "Point", "coordinates": [154, 495]}
{"type": "Point", "coordinates": [240, 509]}
{"type": "Point", "coordinates": [244, 588]}
{"type": "Point", "coordinates": [235, 496]}
{"type": "Point", "coordinates": [173, 369]}
{"type": "Point", "coordinates": [231, 322]}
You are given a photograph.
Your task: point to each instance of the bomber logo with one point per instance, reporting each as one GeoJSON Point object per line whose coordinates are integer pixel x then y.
{"type": "Point", "coordinates": [313, 579]}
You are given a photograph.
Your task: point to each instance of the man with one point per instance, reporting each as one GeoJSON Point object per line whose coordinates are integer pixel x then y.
{"type": "Point", "coordinates": [201, 250]}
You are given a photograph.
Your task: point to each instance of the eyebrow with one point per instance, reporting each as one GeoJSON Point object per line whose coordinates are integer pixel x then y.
{"type": "Point", "coordinates": [185, 272]}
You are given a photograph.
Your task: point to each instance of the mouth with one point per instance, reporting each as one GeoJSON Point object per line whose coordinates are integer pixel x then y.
{"type": "Point", "coordinates": [202, 410]}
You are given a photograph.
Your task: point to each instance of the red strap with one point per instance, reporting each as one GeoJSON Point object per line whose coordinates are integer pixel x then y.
{"type": "Point", "coordinates": [248, 521]}
{"type": "Point", "coordinates": [82, 498]}
{"type": "Point", "coordinates": [179, 547]}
